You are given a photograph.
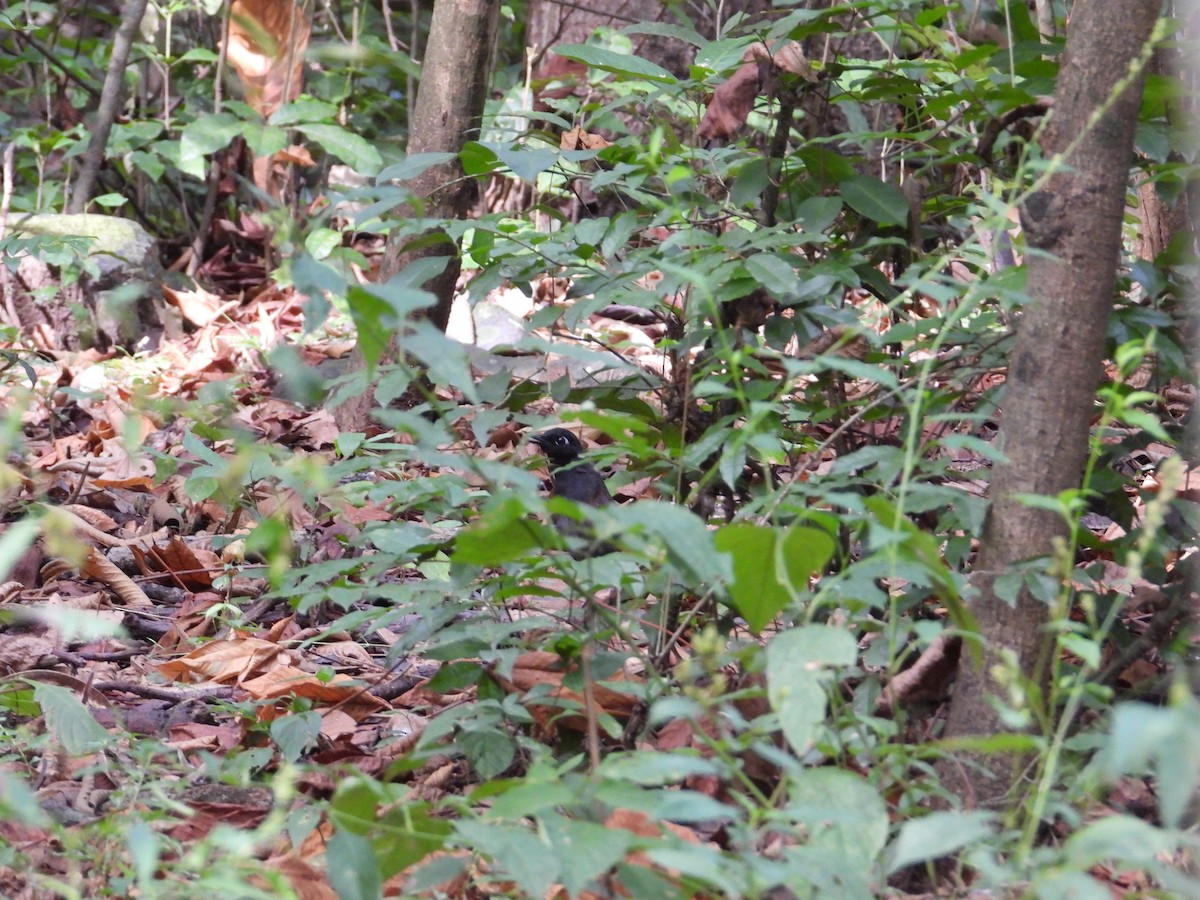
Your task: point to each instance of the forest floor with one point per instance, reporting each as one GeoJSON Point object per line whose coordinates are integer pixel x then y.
{"type": "Point", "coordinates": [143, 614]}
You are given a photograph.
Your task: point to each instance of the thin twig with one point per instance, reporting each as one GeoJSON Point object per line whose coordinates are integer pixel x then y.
{"type": "Point", "coordinates": [110, 102]}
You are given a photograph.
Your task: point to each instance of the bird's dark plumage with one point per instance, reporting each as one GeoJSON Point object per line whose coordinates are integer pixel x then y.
{"type": "Point", "coordinates": [573, 479]}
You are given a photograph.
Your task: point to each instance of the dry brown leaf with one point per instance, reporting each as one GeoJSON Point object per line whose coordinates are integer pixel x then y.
{"type": "Point", "coordinates": [97, 567]}
{"type": "Point", "coordinates": [788, 58]}
{"type": "Point", "coordinates": [229, 661]}
{"type": "Point", "coordinates": [731, 104]}
{"type": "Point", "coordinates": [266, 44]}
{"type": "Point", "coordinates": [191, 567]}
{"type": "Point", "coordinates": [285, 682]}
{"type": "Point", "coordinates": [538, 667]}
{"type": "Point", "coordinates": [578, 139]}
{"type": "Point", "coordinates": [19, 652]}
{"type": "Point", "coordinates": [199, 307]}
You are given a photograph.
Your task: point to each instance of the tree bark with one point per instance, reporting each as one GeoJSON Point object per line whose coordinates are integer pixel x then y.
{"type": "Point", "coordinates": [448, 113]}
{"type": "Point", "coordinates": [1073, 228]}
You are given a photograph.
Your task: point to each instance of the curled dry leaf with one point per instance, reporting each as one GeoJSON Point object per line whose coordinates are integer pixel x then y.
{"type": "Point", "coordinates": [788, 58]}
{"type": "Point", "coordinates": [97, 567]}
{"type": "Point", "coordinates": [538, 667]}
{"type": "Point", "coordinates": [229, 661]}
{"type": "Point", "coordinates": [97, 518]}
{"type": "Point", "coordinates": [731, 104]}
{"type": "Point", "coordinates": [286, 682]}
{"type": "Point", "coordinates": [199, 307]}
{"type": "Point", "coordinates": [578, 139]}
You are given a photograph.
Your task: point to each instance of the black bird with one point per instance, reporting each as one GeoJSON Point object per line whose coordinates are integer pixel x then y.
{"type": "Point", "coordinates": [576, 480]}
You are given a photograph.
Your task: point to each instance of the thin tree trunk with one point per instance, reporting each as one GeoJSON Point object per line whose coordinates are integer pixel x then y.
{"type": "Point", "coordinates": [110, 102]}
{"type": "Point", "coordinates": [448, 113]}
{"type": "Point", "coordinates": [1073, 227]}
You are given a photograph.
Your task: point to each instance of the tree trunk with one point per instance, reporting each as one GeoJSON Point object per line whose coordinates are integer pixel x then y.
{"type": "Point", "coordinates": [448, 113]}
{"type": "Point", "coordinates": [110, 105]}
{"type": "Point", "coordinates": [1073, 227]}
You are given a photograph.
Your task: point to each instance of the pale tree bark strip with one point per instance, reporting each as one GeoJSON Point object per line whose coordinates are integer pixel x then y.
{"type": "Point", "coordinates": [447, 114]}
{"type": "Point", "coordinates": [1073, 227]}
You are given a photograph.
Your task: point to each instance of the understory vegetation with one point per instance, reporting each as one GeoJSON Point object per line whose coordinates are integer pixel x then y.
{"type": "Point", "coordinates": [247, 653]}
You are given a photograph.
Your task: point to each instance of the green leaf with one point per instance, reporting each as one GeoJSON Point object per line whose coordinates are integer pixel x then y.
{"type": "Point", "coordinates": [875, 199]}
{"type": "Point", "coordinates": [1118, 838]}
{"type": "Point", "coordinates": [845, 823]}
{"type": "Point", "coordinates": [798, 662]}
{"type": "Point", "coordinates": [503, 533]}
{"type": "Point", "coordinates": [18, 803]}
{"type": "Point", "coordinates": [296, 733]}
{"type": "Point", "coordinates": [688, 542]}
{"type": "Point", "coordinates": [1166, 741]}
{"type": "Point", "coordinates": [206, 134]}
{"type": "Point", "coordinates": [410, 833]}
{"type": "Point", "coordinates": [773, 272]}
{"type": "Point", "coordinates": [378, 310]}
{"type": "Point", "coordinates": [69, 721]}
{"type": "Point", "coordinates": [588, 849]}
{"type": "Point", "coordinates": [304, 109]}
{"type": "Point", "coordinates": [514, 850]}
{"type": "Point", "coordinates": [937, 835]}
{"type": "Point", "coordinates": [320, 242]}
{"type": "Point", "coordinates": [109, 201]}
{"type": "Point", "coordinates": [617, 63]}
{"type": "Point", "coordinates": [263, 140]}
{"type": "Point", "coordinates": [490, 751]}
{"type": "Point", "coordinates": [347, 146]}
{"type": "Point", "coordinates": [412, 166]}
{"type": "Point", "coordinates": [353, 867]}
{"type": "Point", "coordinates": [527, 163]}
{"type": "Point", "coordinates": [770, 566]}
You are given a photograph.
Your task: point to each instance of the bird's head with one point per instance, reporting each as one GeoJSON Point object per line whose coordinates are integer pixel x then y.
{"type": "Point", "coordinates": [560, 446]}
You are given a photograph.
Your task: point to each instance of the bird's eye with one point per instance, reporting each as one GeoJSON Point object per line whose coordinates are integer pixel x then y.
{"type": "Point", "coordinates": [561, 441]}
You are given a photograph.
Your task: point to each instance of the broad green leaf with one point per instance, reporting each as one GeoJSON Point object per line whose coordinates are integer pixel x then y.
{"type": "Point", "coordinates": [489, 751]}
{"type": "Point", "coordinates": [877, 200]}
{"type": "Point", "coordinates": [109, 201]}
{"type": "Point", "coordinates": [1164, 741]}
{"type": "Point", "coordinates": [527, 163]}
{"type": "Point", "coordinates": [773, 272]}
{"type": "Point", "coordinates": [688, 542]}
{"type": "Point", "coordinates": [412, 166]}
{"type": "Point", "coordinates": [295, 733]}
{"type": "Point", "coordinates": [798, 669]}
{"type": "Point", "coordinates": [350, 148]}
{"type": "Point", "coordinates": [353, 867]}
{"type": "Point", "coordinates": [145, 848]}
{"type": "Point", "coordinates": [845, 823]}
{"type": "Point", "coordinates": [503, 533]}
{"type": "Point", "coordinates": [770, 566]}
{"type": "Point", "coordinates": [937, 835]}
{"type": "Point", "coordinates": [409, 834]}
{"type": "Point", "coordinates": [514, 850]}
{"type": "Point", "coordinates": [206, 134]}
{"type": "Point", "coordinates": [18, 803]}
{"type": "Point", "coordinates": [263, 140]}
{"type": "Point", "coordinates": [588, 849]}
{"type": "Point", "coordinates": [1118, 838]}
{"type": "Point", "coordinates": [304, 109]}
{"type": "Point", "coordinates": [378, 310]}
{"type": "Point", "coordinates": [617, 63]}
{"type": "Point", "coordinates": [69, 721]}
{"type": "Point", "coordinates": [320, 242]}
